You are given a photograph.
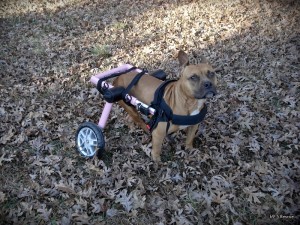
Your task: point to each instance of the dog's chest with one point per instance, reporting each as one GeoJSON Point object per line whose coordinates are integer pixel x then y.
{"type": "Point", "coordinates": [196, 111]}
{"type": "Point", "coordinates": [193, 113]}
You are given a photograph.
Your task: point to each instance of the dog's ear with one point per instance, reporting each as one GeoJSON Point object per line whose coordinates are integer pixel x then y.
{"type": "Point", "coordinates": [183, 58]}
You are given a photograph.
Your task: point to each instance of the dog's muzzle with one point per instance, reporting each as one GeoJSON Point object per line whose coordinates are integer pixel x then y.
{"type": "Point", "coordinates": [209, 89]}
{"type": "Point", "coordinates": [210, 94]}
{"type": "Point", "coordinates": [206, 93]}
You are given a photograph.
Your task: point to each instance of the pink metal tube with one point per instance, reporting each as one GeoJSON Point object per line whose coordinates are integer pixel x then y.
{"type": "Point", "coordinates": [105, 115]}
{"type": "Point", "coordinates": [95, 78]}
{"type": "Point", "coordinates": [108, 106]}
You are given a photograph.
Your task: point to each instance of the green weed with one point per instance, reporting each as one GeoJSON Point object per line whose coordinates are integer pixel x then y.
{"type": "Point", "coordinates": [102, 51]}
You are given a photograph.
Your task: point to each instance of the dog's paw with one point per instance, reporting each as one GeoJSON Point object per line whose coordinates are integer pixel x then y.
{"type": "Point", "coordinates": [189, 147]}
{"type": "Point", "coordinates": [156, 158]}
{"type": "Point", "coordinates": [157, 166]}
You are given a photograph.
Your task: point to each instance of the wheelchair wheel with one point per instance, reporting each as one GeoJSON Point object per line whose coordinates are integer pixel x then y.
{"type": "Point", "coordinates": [89, 140]}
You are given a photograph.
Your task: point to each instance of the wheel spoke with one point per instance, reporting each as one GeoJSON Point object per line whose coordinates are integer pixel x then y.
{"type": "Point", "coordinates": [90, 150]}
{"type": "Point", "coordinates": [88, 132]}
{"type": "Point", "coordinates": [82, 137]}
{"type": "Point", "coordinates": [81, 144]}
{"type": "Point", "coordinates": [81, 140]}
{"type": "Point", "coordinates": [93, 142]}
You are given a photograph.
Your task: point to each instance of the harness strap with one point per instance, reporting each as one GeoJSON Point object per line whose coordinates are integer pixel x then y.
{"type": "Point", "coordinates": [131, 84]}
{"type": "Point", "coordinates": [191, 119]}
{"type": "Point", "coordinates": [163, 113]}
{"type": "Point", "coordinates": [159, 102]}
{"type": "Point", "coordinates": [100, 81]}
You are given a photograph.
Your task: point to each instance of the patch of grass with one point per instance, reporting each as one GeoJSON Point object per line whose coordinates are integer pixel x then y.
{"type": "Point", "coordinates": [276, 102]}
{"type": "Point", "coordinates": [57, 147]}
{"type": "Point", "coordinates": [37, 45]}
{"type": "Point", "coordinates": [103, 51]}
{"type": "Point", "coordinates": [9, 204]}
{"type": "Point", "coordinates": [196, 206]}
{"type": "Point", "coordinates": [120, 26]}
{"type": "Point", "coordinates": [48, 28]}
{"type": "Point", "coordinates": [53, 221]}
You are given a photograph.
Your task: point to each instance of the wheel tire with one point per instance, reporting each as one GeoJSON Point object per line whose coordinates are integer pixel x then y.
{"type": "Point", "coordinates": [90, 140]}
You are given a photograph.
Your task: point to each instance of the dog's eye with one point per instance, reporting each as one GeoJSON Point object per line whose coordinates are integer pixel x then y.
{"type": "Point", "coordinates": [210, 74]}
{"type": "Point", "coordinates": [194, 77]}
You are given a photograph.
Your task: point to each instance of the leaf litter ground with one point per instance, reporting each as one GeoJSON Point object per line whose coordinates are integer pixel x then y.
{"type": "Point", "coordinates": [245, 165]}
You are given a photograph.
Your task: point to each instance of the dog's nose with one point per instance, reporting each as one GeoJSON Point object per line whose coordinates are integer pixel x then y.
{"type": "Point", "coordinates": [207, 84]}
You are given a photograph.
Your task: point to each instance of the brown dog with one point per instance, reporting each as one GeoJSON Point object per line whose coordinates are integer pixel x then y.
{"type": "Point", "coordinates": [185, 97]}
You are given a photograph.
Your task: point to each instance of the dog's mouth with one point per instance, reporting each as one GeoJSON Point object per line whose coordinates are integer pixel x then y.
{"type": "Point", "coordinates": [209, 94]}
{"type": "Point", "coordinates": [206, 95]}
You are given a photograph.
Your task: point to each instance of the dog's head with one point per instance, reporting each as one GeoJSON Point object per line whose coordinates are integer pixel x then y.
{"type": "Point", "coordinates": [198, 81]}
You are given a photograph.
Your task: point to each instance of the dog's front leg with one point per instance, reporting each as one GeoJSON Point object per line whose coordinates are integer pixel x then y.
{"type": "Point", "coordinates": [158, 136]}
{"type": "Point", "coordinates": [191, 133]}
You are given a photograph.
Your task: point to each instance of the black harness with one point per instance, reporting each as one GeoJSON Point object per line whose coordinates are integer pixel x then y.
{"type": "Point", "coordinates": [163, 112]}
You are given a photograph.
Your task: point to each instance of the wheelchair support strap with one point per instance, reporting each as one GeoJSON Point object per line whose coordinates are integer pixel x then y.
{"type": "Point", "coordinates": [134, 81]}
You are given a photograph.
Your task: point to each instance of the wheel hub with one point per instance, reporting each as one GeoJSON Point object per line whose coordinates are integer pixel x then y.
{"type": "Point", "coordinates": [87, 141]}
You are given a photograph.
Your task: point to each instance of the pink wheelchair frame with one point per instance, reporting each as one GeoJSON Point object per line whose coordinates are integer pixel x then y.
{"type": "Point", "coordinates": [89, 136]}
{"type": "Point", "coordinates": [108, 106]}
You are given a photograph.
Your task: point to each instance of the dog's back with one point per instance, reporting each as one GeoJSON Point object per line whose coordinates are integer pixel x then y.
{"type": "Point", "coordinates": [141, 87]}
